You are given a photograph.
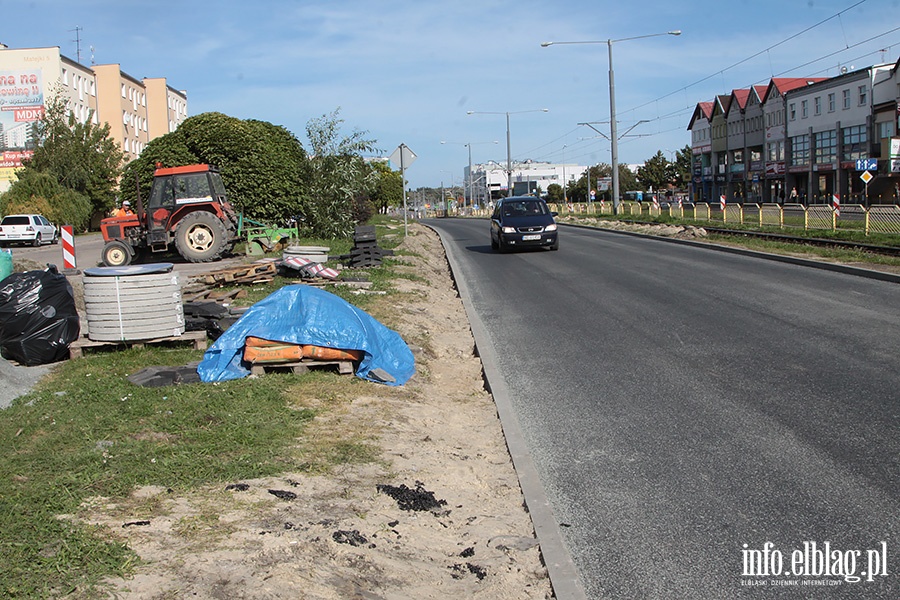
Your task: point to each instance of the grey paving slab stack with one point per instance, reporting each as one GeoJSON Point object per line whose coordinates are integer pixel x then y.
{"type": "Point", "coordinates": [133, 306]}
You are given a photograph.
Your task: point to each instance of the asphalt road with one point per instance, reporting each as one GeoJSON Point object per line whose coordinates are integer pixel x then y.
{"type": "Point", "coordinates": [691, 411]}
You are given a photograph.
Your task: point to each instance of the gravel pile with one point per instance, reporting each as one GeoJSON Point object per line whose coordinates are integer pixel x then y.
{"type": "Point", "coordinates": [18, 380]}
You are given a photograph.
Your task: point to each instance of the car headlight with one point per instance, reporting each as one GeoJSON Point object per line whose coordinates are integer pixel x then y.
{"type": "Point", "coordinates": [550, 227]}
{"type": "Point", "coordinates": [509, 230]}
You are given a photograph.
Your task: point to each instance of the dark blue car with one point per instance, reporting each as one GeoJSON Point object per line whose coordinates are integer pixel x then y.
{"type": "Point", "coordinates": [523, 222]}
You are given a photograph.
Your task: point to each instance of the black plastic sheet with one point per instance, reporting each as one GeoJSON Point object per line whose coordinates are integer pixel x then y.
{"type": "Point", "coordinates": [38, 318]}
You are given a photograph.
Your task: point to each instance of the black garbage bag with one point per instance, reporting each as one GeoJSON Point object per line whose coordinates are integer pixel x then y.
{"type": "Point", "coordinates": [38, 318]}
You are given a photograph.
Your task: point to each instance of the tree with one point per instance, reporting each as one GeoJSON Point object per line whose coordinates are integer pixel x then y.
{"type": "Point", "coordinates": [578, 190]}
{"type": "Point", "coordinates": [80, 156]}
{"type": "Point", "coordinates": [389, 188]}
{"type": "Point", "coordinates": [554, 193]}
{"type": "Point", "coordinates": [337, 175]}
{"type": "Point", "coordinates": [263, 166]}
{"type": "Point", "coordinates": [657, 173]}
{"type": "Point", "coordinates": [682, 170]}
{"type": "Point", "coordinates": [37, 192]}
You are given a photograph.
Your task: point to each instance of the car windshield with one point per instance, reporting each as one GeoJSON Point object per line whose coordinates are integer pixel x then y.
{"type": "Point", "coordinates": [15, 221]}
{"type": "Point", "coordinates": [523, 208]}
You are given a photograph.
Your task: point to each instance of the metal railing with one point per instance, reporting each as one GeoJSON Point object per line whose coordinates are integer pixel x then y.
{"type": "Point", "coordinates": [878, 218]}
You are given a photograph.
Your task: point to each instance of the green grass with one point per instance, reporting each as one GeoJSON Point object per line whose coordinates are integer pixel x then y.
{"type": "Point", "coordinates": [840, 255]}
{"type": "Point", "coordinates": [86, 432]}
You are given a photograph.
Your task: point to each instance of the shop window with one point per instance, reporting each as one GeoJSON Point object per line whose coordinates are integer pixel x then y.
{"type": "Point", "coordinates": [800, 150]}
{"type": "Point", "coordinates": [826, 147]}
{"type": "Point", "coordinates": [855, 142]}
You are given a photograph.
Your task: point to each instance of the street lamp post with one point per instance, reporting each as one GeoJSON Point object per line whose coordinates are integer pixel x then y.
{"type": "Point", "coordinates": [471, 185]}
{"type": "Point", "coordinates": [613, 133]}
{"type": "Point", "coordinates": [509, 183]}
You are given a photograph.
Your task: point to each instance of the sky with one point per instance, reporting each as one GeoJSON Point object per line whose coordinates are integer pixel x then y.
{"type": "Point", "coordinates": [409, 72]}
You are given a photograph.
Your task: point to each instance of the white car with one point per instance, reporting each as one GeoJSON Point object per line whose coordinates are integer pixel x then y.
{"type": "Point", "coordinates": [27, 229]}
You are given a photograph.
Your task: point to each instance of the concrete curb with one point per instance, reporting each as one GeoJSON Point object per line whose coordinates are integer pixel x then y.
{"type": "Point", "coordinates": [815, 264]}
{"type": "Point", "coordinates": [560, 567]}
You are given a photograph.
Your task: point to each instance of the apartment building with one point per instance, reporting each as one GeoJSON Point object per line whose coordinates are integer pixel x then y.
{"type": "Point", "coordinates": [137, 110]}
{"type": "Point", "coordinates": [803, 134]}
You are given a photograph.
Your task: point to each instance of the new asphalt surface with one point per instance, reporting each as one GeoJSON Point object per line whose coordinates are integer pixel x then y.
{"type": "Point", "coordinates": [702, 424]}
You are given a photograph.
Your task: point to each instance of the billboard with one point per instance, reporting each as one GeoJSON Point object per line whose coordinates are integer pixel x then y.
{"type": "Point", "coordinates": [21, 104]}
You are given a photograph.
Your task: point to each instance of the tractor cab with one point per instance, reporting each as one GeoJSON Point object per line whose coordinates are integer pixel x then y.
{"type": "Point", "coordinates": [188, 208]}
{"type": "Point", "coordinates": [178, 191]}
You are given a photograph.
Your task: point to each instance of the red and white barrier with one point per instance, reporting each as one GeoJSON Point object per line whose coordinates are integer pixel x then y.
{"type": "Point", "coordinates": [722, 201]}
{"type": "Point", "coordinates": [68, 246]}
{"type": "Point", "coordinates": [312, 268]}
{"type": "Point", "coordinates": [836, 200]}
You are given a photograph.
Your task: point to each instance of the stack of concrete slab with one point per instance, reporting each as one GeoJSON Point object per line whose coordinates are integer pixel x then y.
{"type": "Point", "coordinates": [139, 302]}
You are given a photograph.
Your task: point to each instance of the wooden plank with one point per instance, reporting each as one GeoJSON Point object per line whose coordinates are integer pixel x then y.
{"type": "Point", "coordinates": [217, 295]}
{"type": "Point", "coordinates": [197, 338]}
{"type": "Point", "coordinates": [254, 273]}
{"type": "Point", "coordinates": [344, 367]}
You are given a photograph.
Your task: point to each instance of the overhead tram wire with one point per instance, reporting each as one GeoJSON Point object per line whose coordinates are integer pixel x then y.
{"type": "Point", "coordinates": [751, 57]}
{"type": "Point", "coordinates": [688, 109]}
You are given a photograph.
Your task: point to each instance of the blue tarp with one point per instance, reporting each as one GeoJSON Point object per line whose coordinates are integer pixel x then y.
{"type": "Point", "coordinates": [301, 314]}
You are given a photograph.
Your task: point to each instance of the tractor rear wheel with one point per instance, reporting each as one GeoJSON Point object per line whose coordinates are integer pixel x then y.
{"type": "Point", "coordinates": [200, 237]}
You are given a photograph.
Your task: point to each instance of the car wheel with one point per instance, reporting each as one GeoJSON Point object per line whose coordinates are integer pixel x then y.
{"type": "Point", "coordinates": [38, 240]}
{"type": "Point", "coordinates": [555, 245]}
{"type": "Point", "coordinates": [501, 247]}
{"type": "Point", "coordinates": [55, 239]}
{"type": "Point", "coordinates": [493, 243]}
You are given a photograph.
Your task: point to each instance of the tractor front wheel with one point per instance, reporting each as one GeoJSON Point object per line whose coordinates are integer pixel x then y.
{"type": "Point", "coordinates": [200, 237]}
{"type": "Point", "coordinates": [117, 254]}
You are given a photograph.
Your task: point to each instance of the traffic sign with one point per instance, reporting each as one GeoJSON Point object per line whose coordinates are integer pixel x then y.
{"type": "Point", "coordinates": [866, 176]}
{"type": "Point", "coordinates": [867, 164]}
{"type": "Point", "coordinates": [402, 156]}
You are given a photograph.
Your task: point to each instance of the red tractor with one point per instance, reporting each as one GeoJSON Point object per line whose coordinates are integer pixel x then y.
{"type": "Point", "coordinates": [188, 207]}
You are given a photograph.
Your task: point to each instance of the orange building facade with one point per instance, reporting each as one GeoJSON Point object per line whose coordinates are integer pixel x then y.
{"type": "Point", "coordinates": [136, 110]}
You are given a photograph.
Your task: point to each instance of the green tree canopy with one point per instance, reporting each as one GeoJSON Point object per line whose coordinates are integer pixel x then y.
{"type": "Point", "coordinates": [389, 189]}
{"type": "Point", "coordinates": [554, 193]}
{"type": "Point", "coordinates": [338, 176]}
{"type": "Point", "coordinates": [263, 166]}
{"type": "Point", "coordinates": [37, 192]}
{"type": "Point", "coordinates": [657, 173]}
{"type": "Point", "coordinates": [682, 171]}
{"type": "Point", "coordinates": [578, 190]}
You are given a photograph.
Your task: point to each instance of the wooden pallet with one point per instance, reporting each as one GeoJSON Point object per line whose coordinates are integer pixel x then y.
{"type": "Point", "coordinates": [344, 367]}
{"type": "Point", "coordinates": [215, 295]}
{"type": "Point", "coordinates": [197, 338]}
{"type": "Point", "coordinates": [255, 273]}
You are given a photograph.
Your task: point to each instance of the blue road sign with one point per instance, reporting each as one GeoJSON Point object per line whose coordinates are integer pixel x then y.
{"type": "Point", "coordinates": [867, 164]}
